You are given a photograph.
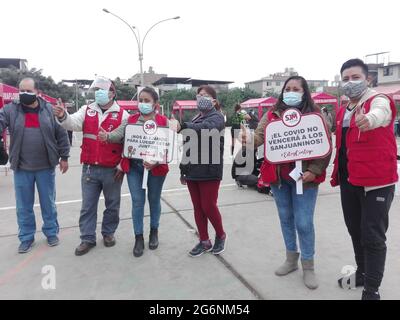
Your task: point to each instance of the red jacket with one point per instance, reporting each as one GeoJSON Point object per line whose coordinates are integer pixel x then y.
{"type": "Point", "coordinates": [371, 155]}
{"type": "Point", "coordinates": [269, 171]}
{"type": "Point", "coordinates": [159, 170]}
{"type": "Point", "coordinates": [95, 152]}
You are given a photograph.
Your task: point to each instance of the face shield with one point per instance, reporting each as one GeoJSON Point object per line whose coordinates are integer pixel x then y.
{"type": "Point", "coordinates": [100, 83]}
{"type": "Point", "coordinates": [102, 90]}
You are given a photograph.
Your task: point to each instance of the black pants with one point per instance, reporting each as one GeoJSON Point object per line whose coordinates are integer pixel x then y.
{"type": "Point", "coordinates": [70, 137]}
{"type": "Point", "coordinates": [234, 134]}
{"type": "Point", "coordinates": [367, 220]}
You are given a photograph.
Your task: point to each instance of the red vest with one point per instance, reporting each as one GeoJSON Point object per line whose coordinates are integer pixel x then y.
{"type": "Point", "coordinates": [269, 171]}
{"type": "Point", "coordinates": [161, 169]}
{"type": "Point", "coordinates": [371, 155]}
{"type": "Point", "coordinates": [99, 153]}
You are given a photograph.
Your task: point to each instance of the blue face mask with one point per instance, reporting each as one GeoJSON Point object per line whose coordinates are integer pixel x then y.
{"type": "Point", "coordinates": [101, 97]}
{"type": "Point", "coordinates": [292, 99]}
{"type": "Point", "coordinates": [146, 108]}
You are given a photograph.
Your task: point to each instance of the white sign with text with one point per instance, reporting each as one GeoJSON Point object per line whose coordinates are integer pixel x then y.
{"type": "Point", "coordinates": [296, 137]}
{"type": "Point", "coordinates": [148, 142]}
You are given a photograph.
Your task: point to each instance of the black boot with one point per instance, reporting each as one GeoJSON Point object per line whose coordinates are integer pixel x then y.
{"type": "Point", "coordinates": [370, 295]}
{"type": "Point", "coordinates": [153, 239]}
{"type": "Point", "coordinates": [139, 246]}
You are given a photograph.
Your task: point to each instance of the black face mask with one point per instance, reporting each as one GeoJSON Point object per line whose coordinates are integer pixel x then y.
{"type": "Point", "coordinates": [27, 98]}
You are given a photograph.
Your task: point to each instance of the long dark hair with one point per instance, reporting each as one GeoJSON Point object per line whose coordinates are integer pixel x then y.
{"type": "Point", "coordinates": [211, 91]}
{"type": "Point", "coordinates": [307, 102]}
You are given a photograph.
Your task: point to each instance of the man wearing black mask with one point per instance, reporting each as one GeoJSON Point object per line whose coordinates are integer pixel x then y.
{"type": "Point", "coordinates": [38, 145]}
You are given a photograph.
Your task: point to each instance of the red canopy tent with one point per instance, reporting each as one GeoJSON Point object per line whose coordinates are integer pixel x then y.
{"type": "Point", "coordinates": [129, 105]}
{"type": "Point", "coordinates": [181, 105]}
{"type": "Point", "coordinates": [260, 104]}
{"type": "Point", "coordinates": [321, 98]}
{"type": "Point", "coordinates": [7, 94]}
{"type": "Point", "coordinates": [49, 99]}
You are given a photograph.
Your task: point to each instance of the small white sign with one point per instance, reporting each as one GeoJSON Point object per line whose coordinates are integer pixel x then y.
{"type": "Point", "coordinates": [149, 142]}
{"type": "Point", "coordinates": [296, 137]}
{"type": "Point", "coordinates": [296, 174]}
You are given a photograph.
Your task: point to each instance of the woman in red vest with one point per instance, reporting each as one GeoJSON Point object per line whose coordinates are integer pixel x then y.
{"type": "Point", "coordinates": [365, 168]}
{"type": "Point", "coordinates": [148, 100]}
{"type": "Point", "coordinates": [296, 212]}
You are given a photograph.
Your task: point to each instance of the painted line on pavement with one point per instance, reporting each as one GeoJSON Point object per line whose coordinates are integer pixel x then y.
{"type": "Point", "coordinates": [124, 195]}
{"type": "Point", "coordinates": [221, 259]}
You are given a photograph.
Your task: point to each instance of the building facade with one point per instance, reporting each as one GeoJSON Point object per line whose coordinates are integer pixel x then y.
{"type": "Point", "coordinates": [20, 64]}
{"type": "Point", "coordinates": [166, 84]}
{"type": "Point", "coordinates": [389, 74]}
{"type": "Point", "coordinates": [273, 84]}
{"type": "Point", "coordinates": [149, 78]}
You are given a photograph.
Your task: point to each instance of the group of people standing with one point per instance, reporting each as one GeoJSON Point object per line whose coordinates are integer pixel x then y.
{"type": "Point", "coordinates": [39, 142]}
{"type": "Point", "coordinates": [365, 168]}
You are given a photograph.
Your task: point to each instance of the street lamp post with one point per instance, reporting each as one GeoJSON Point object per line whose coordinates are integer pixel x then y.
{"type": "Point", "coordinates": [138, 40]}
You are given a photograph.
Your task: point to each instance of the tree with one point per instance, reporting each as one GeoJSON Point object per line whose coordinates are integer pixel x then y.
{"type": "Point", "coordinates": [228, 98]}
{"type": "Point", "coordinates": [12, 76]}
{"type": "Point", "coordinates": [168, 98]}
{"type": "Point", "coordinates": [272, 93]}
{"type": "Point", "coordinates": [124, 92]}
{"type": "Point", "coordinates": [231, 97]}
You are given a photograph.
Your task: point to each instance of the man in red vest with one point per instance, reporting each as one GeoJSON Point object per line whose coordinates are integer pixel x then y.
{"type": "Point", "coordinates": [100, 162]}
{"type": "Point", "coordinates": [365, 168]}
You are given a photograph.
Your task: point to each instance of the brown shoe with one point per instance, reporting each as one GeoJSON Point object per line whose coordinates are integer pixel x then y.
{"type": "Point", "coordinates": [84, 248]}
{"type": "Point", "coordinates": [109, 241]}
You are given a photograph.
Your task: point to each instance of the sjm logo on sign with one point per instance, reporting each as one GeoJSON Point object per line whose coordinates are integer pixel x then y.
{"type": "Point", "coordinates": [291, 117]}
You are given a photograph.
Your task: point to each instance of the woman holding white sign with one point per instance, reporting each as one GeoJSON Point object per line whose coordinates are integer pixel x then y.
{"type": "Point", "coordinates": [296, 211]}
{"type": "Point", "coordinates": [135, 169]}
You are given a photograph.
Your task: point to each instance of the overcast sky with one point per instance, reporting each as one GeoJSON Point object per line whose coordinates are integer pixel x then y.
{"type": "Point", "coordinates": [214, 39]}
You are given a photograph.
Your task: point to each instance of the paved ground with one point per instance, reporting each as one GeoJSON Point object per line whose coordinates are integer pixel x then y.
{"type": "Point", "coordinates": [245, 271]}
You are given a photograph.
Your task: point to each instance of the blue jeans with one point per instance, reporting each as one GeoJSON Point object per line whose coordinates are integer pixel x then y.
{"type": "Point", "coordinates": [154, 188]}
{"type": "Point", "coordinates": [94, 180]}
{"type": "Point", "coordinates": [296, 214]}
{"type": "Point", "coordinates": [24, 184]}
